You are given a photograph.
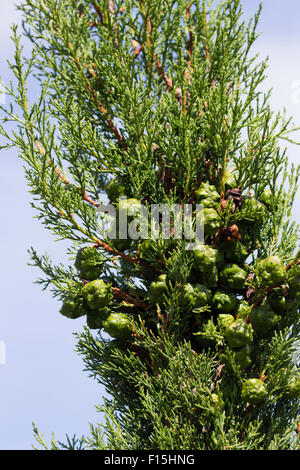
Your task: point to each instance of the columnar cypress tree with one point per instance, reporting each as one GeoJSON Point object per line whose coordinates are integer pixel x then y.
{"type": "Point", "coordinates": [160, 101]}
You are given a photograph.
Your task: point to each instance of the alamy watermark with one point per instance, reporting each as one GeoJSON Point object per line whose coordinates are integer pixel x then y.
{"type": "Point", "coordinates": [135, 221]}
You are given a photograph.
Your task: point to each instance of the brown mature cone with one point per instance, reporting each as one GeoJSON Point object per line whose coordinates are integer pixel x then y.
{"type": "Point", "coordinates": [232, 234]}
{"type": "Point", "coordinates": [234, 194]}
{"type": "Point", "coordinates": [224, 205]}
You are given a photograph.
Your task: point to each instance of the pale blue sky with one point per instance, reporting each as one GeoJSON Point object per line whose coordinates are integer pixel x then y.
{"type": "Point", "coordinates": [43, 379]}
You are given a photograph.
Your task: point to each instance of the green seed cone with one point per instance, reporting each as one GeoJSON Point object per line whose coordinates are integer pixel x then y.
{"type": "Point", "coordinates": [254, 391]}
{"type": "Point", "coordinates": [233, 276]}
{"type": "Point", "coordinates": [238, 334]}
{"type": "Point", "coordinates": [271, 271]}
{"type": "Point", "coordinates": [117, 326]}
{"type": "Point", "coordinates": [97, 294]}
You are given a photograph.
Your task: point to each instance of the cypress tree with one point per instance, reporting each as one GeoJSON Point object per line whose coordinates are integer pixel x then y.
{"type": "Point", "coordinates": [145, 103]}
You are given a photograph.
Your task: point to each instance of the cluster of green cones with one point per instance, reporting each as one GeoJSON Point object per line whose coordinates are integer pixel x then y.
{"type": "Point", "coordinates": [227, 302]}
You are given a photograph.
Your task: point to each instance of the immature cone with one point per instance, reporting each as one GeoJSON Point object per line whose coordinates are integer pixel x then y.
{"type": "Point", "coordinates": [194, 295]}
{"type": "Point", "coordinates": [207, 260]}
{"type": "Point", "coordinates": [279, 303]}
{"type": "Point", "coordinates": [266, 197]}
{"type": "Point", "coordinates": [120, 244]}
{"type": "Point", "coordinates": [117, 326]}
{"type": "Point", "coordinates": [158, 289]}
{"type": "Point", "coordinates": [207, 195]}
{"type": "Point", "coordinates": [224, 321]}
{"type": "Point", "coordinates": [72, 309]}
{"type": "Point", "coordinates": [132, 207]}
{"type": "Point", "coordinates": [238, 334]}
{"type": "Point", "coordinates": [115, 190]}
{"type": "Point", "coordinates": [129, 209]}
{"type": "Point", "coordinates": [233, 276]}
{"type": "Point", "coordinates": [271, 271]}
{"type": "Point", "coordinates": [211, 220]}
{"type": "Point", "coordinates": [235, 252]}
{"type": "Point", "coordinates": [95, 318]}
{"type": "Point", "coordinates": [223, 301]}
{"type": "Point", "coordinates": [242, 357]}
{"type": "Point", "coordinates": [97, 294]}
{"type": "Point", "coordinates": [254, 391]}
{"type": "Point", "coordinates": [262, 319]}
{"type": "Point", "coordinates": [89, 263]}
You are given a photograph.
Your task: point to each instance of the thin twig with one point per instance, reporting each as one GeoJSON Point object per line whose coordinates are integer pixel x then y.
{"type": "Point", "coordinates": [113, 251]}
{"type": "Point", "coordinates": [99, 12]}
{"type": "Point", "coordinates": [119, 294]}
{"type": "Point", "coordinates": [99, 105]}
{"type": "Point", "coordinates": [162, 73]}
{"type": "Point", "coordinates": [137, 50]}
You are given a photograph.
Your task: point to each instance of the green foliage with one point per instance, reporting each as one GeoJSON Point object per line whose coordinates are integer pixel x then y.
{"type": "Point", "coordinates": [161, 102]}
